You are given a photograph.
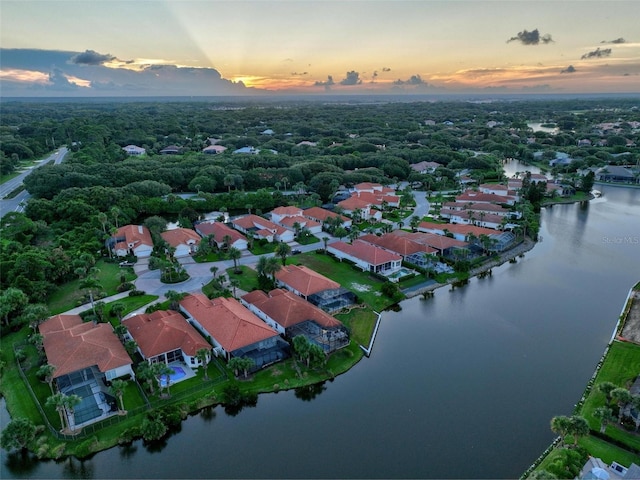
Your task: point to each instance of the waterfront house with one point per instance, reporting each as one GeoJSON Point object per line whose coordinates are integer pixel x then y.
{"type": "Point", "coordinates": [233, 330]}
{"type": "Point", "coordinates": [317, 289]}
{"type": "Point", "coordinates": [291, 316]}
{"type": "Point", "coordinates": [131, 240]}
{"type": "Point", "coordinates": [220, 231]}
{"type": "Point", "coordinates": [367, 256]}
{"type": "Point", "coordinates": [165, 336]}
{"type": "Point", "coordinates": [412, 252]}
{"type": "Point", "coordinates": [86, 357]}
{"type": "Point", "coordinates": [471, 196]}
{"type": "Point", "coordinates": [444, 245]}
{"type": "Point", "coordinates": [184, 240]}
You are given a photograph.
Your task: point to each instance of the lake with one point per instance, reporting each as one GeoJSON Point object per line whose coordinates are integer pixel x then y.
{"type": "Point", "coordinates": [462, 385]}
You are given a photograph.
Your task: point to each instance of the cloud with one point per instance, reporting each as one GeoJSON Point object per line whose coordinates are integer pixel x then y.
{"type": "Point", "coordinates": [299, 74]}
{"type": "Point", "coordinates": [89, 73]}
{"type": "Point", "coordinates": [617, 41]}
{"type": "Point", "coordinates": [597, 53]}
{"type": "Point", "coordinates": [569, 69]}
{"type": "Point", "coordinates": [413, 80]}
{"type": "Point", "coordinates": [327, 85]}
{"type": "Point", "coordinates": [531, 38]}
{"type": "Point", "coordinates": [91, 57]}
{"type": "Point", "coordinates": [386, 69]}
{"type": "Point", "coordinates": [352, 78]}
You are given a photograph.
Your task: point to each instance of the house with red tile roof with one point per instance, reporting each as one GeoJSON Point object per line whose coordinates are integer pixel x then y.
{"type": "Point", "coordinates": [443, 244]}
{"type": "Point", "coordinates": [165, 336]}
{"type": "Point", "coordinates": [279, 213]}
{"type": "Point", "coordinates": [481, 219]}
{"type": "Point", "coordinates": [262, 228]}
{"type": "Point", "coordinates": [315, 288]}
{"type": "Point", "coordinates": [367, 187]}
{"type": "Point", "coordinates": [85, 356]}
{"type": "Point", "coordinates": [321, 215]}
{"type": "Point", "coordinates": [302, 222]}
{"type": "Point", "coordinates": [184, 240]}
{"type": "Point", "coordinates": [459, 231]}
{"type": "Point", "coordinates": [291, 316]}
{"type": "Point", "coordinates": [221, 230]}
{"type": "Point", "coordinates": [233, 330]}
{"type": "Point", "coordinates": [353, 204]}
{"type": "Point", "coordinates": [477, 207]}
{"type": "Point", "coordinates": [131, 240]}
{"type": "Point", "coordinates": [72, 345]}
{"type": "Point", "coordinates": [494, 188]}
{"type": "Point", "coordinates": [367, 256]}
{"type": "Point", "coordinates": [471, 196]}
{"type": "Point", "coordinates": [412, 252]}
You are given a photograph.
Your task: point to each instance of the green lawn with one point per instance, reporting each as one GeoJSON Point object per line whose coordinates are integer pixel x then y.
{"type": "Point", "coordinates": [608, 452]}
{"type": "Point", "coordinates": [248, 279]}
{"type": "Point", "coordinates": [69, 295]}
{"type": "Point", "coordinates": [620, 367]}
{"type": "Point", "coordinates": [361, 283]}
{"type": "Point", "coordinates": [360, 322]}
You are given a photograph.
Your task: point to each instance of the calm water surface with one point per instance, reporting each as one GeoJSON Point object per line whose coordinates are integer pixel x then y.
{"type": "Point", "coordinates": [462, 385]}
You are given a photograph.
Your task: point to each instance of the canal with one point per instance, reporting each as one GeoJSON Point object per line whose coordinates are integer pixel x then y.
{"type": "Point", "coordinates": [461, 385]}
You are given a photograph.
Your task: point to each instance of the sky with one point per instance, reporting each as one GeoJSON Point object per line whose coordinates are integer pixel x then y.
{"type": "Point", "coordinates": [214, 47]}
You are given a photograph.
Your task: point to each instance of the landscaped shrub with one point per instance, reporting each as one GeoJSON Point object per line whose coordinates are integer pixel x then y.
{"type": "Point", "coordinates": [123, 287]}
{"type": "Point", "coordinates": [153, 428]}
{"type": "Point", "coordinates": [136, 293]}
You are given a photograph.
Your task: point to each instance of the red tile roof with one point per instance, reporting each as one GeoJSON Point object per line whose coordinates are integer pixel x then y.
{"type": "Point", "coordinates": [288, 309]}
{"type": "Point", "coordinates": [439, 242]}
{"type": "Point", "coordinates": [134, 234]}
{"type": "Point", "coordinates": [164, 331]}
{"type": "Point", "coordinates": [287, 211]}
{"type": "Point", "coordinates": [254, 221]}
{"type": "Point", "coordinates": [180, 236]}
{"type": "Point", "coordinates": [71, 345]}
{"type": "Point", "coordinates": [305, 280]}
{"type": "Point", "coordinates": [472, 196]}
{"type": "Point", "coordinates": [226, 320]}
{"type": "Point", "coordinates": [303, 221]}
{"type": "Point", "coordinates": [365, 251]}
{"type": "Point", "coordinates": [352, 203]}
{"type": "Point", "coordinates": [321, 214]}
{"type": "Point", "coordinates": [219, 230]}
{"type": "Point", "coordinates": [400, 245]}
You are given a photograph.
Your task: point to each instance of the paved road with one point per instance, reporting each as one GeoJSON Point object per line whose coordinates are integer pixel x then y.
{"type": "Point", "coordinates": [16, 204]}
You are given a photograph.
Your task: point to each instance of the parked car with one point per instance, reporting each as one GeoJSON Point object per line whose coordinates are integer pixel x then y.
{"type": "Point", "coordinates": [296, 251]}
{"type": "Point", "coordinates": [126, 264]}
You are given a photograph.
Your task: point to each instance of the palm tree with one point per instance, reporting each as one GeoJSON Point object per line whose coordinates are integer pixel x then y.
{"type": "Point", "coordinates": [35, 314]}
{"type": "Point", "coordinates": [227, 241]}
{"type": "Point", "coordinates": [284, 181]}
{"type": "Point", "coordinates": [353, 234]}
{"type": "Point", "coordinates": [165, 371]}
{"type": "Point", "coordinates": [325, 240]}
{"type": "Point", "coordinates": [46, 371]}
{"type": "Point", "coordinates": [174, 298]}
{"type": "Point", "coordinates": [414, 223]}
{"type": "Point", "coordinates": [91, 284]}
{"type": "Point", "coordinates": [118, 309]}
{"type": "Point", "coordinates": [561, 426]}
{"type": "Point", "coordinates": [578, 427]}
{"type": "Point", "coordinates": [115, 213]}
{"type": "Point", "coordinates": [57, 401]}
{"type": "Point", "coordinates": [606, 388]}
{"type": "Point", "coordinates": [302, 347]}
{"type": "Point", "coordinates": [117, 389]}
{"type": "Point", "coordinates": [234, 254]}
{"type": "Point", "coordinates": [214, 271]}
{"type": "Point", "coordinates": [203, 357]}
{"type": "Point", "coordinates": [283, 250]}
{"type": "Point", "coordinates": [272, 266]}
{"type": "Point", "coordinates": [103, 219]}
{"type": "Point", "coordinates": [622, 397]}
{"type": "Point", "coordinates": [605, 415]}
{"type": "Point", "coordinates": [234, 284]}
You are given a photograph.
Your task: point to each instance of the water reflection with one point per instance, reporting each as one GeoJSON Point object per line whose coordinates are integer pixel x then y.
{"type": "Point", "coordinates": [208, 414]}
{"type": "Point", "coordinates": [309, 392]}
{"type": "Point", "coordinates": [21, 463]}
{"type": "Point", "coordinates": [74, 468]}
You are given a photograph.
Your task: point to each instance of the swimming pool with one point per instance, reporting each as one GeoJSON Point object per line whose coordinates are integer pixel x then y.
{"type": "Point", "coordinates": [178, 373]}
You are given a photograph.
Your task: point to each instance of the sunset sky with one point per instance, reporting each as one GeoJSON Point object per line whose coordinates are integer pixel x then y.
{"type": "Point", "coordinates": [191, 47]}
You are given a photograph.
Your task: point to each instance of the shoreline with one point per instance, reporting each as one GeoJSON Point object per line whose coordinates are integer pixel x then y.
{"type": "Point", "coordinates": [507, 256]}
